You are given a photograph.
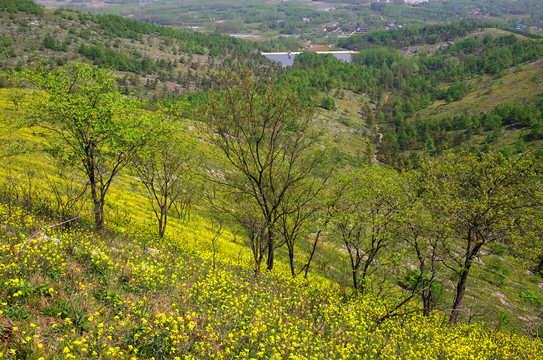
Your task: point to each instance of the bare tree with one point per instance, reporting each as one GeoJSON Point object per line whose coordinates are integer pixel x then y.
{"type": "Point", "coordinates": [66, 188]}
{"type": "Point", "coordinates": [9, 150]}
{"type": "Point", "coordinates": [301, 220]}
{"type": "Point", "coordinates": [265, 134]}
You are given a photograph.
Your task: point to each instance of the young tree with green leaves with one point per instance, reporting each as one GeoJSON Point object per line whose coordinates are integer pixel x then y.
{"type": "Point", "coordinates": [89, 123]}
{"type": "Point", "coordinates": [366, 219]}
{"type": "Point", "coordinates": [165, 167]}
{"type": "Point", "coordinates": [425, 242]}
{"type": "Point", "coordinates": [480, 199]}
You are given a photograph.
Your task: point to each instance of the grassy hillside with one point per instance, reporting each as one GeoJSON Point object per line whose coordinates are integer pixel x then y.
{"type": "Point", "coordinates": [69, 293]}
{"type": "Point", "coordinates": [520, 84]}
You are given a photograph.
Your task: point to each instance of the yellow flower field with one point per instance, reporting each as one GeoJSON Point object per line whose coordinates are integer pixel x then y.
{"type": "Point", "coordinates": [66, 293]}
{"type": "Point", "coordinates": [70, 295]}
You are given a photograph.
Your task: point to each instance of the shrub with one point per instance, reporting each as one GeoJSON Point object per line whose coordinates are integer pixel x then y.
{"type": "Point", "coordinates": [328, 103]}
{"type": "Point", "coordinates": [531, 297]}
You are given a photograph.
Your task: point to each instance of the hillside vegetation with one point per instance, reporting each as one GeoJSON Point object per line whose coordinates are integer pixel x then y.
{"type": "Point", "coordinates": [152, 61]}
{"type": "Point", "coordinates": [127, 292]}
{"type": "Point", "coordinates": [383, 208]}
{"type": "Point", "coordinates": [323, 22]}
{"type": "Point", "coordinates": [70, 295]}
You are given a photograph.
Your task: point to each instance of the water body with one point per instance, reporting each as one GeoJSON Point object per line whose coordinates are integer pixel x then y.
{"type": "Point", "coordinates": [287, 60]}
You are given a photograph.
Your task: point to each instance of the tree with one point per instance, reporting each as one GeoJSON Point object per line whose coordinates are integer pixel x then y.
{"type": "Point", "coordinates": [480, 199]}
{"type": "Point", "coordinates": [366, 219]}
{"type": "Point", "coordinates": [164, 167]}
{"type": "Point", "coordinates": [328, 103]}
{"type": "Point", "coordinates": [10, 149]}
{"type": "Point", "coordinates": [305, 215]}
{"type": "Point", "coordinates": [267, 138]}
{"type": "Point", "coordinates": [425, 237]}
{"type": "Point", "coordinates": [100, 129]}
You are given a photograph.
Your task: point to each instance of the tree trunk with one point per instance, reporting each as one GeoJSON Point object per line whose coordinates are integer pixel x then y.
{"type": "Point", "coordinates": [426, 296]}
{"type": "Point", "coordinates": [460, 291]}
{"type": "Point", "coordinates": [98, 208]}
{"type": "Point", "coordinates": [355, 266]}
{"type": "Point", "coordinates": [162, 221]}
{"type": "Point", "coordinates": [425, 293]}
{"type": "Point", "coordinates": [291, 260]}
{"type": "Point", "coordinates": [312, 253]}
{"type": "Point", "coordinates": [462, 281]}
{"type": "Point", "coordinates": [362, 281]}
{"type": "Point", "coordinates": [461, 286]}
{"type": "Point", "coordinates": [97, 198]}
{"type": "Point", "coordinates": [270, 251]}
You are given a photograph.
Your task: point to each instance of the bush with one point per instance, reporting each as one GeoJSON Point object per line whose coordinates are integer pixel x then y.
{"type": "Point", "coordinates": [531, 297]}
{"type": "Point", "coordinates": [498, 249]}
{"type": "Point", "coordinates": [328, 103]}
{"type": "Point", "coordinates": [412, 278]}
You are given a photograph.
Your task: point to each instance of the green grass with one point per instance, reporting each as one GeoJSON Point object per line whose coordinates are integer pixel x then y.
{"type": "Point", "coordinates": [519, 84]}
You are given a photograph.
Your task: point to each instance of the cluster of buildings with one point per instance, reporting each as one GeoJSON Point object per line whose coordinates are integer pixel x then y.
{"type": "Point", "coordinates": [394, 26]}
{"type": "Point", "coordinates": [524, 26]}
{"type": "Point", "coordinates": [350, 27]}
{"type": "Point", "coordinates": [333, 27]}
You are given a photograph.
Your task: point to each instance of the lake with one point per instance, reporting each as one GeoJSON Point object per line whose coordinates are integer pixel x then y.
{"type": "Point", "coordinates": [287, 60]}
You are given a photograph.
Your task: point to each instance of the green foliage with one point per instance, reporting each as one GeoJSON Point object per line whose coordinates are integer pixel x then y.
{"type": "Point", "coordinates": [377, 57]}
{"type": "Point", "coordinates": [366, 216]}
{"type": "Point", "coordinates": [455, 92]}
{"type": "Point", "coordinates": [409, 36]}
{"type": "Point", "coordinates": [25, 6]}
{"type": "Point", "coordinates": [498, 249]}
{"type": "Point", "coordinates": [157, 343]}
{"type": "Point", "coordinates": [100, 128]}
{"type": "Point", "coordinates": [532, 298]}
{"type": "Point", "coordinates": [49, 42]}
{"type": "Point", "coordinates": [109, 298]}
{"type": "Point", "coordinates": [471, 196]}
{"type": "Point", "coordinates": [328, 103]}
{"type": "Point", "coordinates": [118, 60]}
{"type": "Point", "coordinates": [165, 166]}
{"type": "Point", "coordinates": [412, 281]}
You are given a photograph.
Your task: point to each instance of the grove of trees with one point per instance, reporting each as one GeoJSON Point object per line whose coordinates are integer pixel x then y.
{"type": "Point", "coordinates": [268, 170]}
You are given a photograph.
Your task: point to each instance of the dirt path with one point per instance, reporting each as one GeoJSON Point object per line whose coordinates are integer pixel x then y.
{"type": "Point", "coordinates": [380, 140]}
{"type": "Point", "coordinates": [380, 135]}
